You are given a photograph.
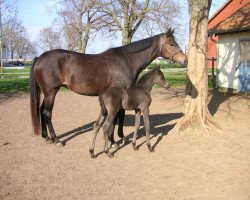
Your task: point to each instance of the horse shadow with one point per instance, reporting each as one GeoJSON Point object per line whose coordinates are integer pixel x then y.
{"type": "Point", "coordinates": [158, 128]}
{"type": "Point", "coordinates": [76, 132]}
{"type": "Point", "coordinates": [157, 122]}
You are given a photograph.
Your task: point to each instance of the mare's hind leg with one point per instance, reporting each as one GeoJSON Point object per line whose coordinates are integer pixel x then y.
{"type": "Point", "coordinates": [44, 127]}
{"type": "Point", "coordinates": [121, 116]}
{"type": "Point", "coordinates": [147, 127]}
{"type": "Point", "coordinates": [96, 129]}
{"type": "Point", "coordinates": [47, 115]}
{"type": "Point", "coordinates": [137, 125]}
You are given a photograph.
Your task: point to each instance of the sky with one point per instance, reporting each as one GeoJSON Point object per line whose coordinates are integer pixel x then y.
{"type": "Point", "coordinates": [34, 15]}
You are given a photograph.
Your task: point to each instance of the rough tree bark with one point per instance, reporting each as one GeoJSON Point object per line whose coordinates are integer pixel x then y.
{"type": "Point", "coordinates": [196, 109]}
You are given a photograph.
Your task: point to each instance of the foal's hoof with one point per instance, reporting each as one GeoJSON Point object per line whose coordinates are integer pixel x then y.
{"type": "Point", "coordinates": [114, 146]}
{"type": "Point", "coordinates": [93, 156]}
{"type": "Point", "coordinates": [136, 148]}
{"type": "Point", "coordinates": [59, 144]}
{"type": "Point", "coordinates": [48, 141]}
{"type": "Point", "coordinates": [110, 155]}
{"type": "Point", "coordinates": [151, 149]}
{"type": "Point", "coordinates": [125, 140]}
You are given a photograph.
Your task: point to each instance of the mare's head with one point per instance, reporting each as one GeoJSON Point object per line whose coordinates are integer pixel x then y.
{"type": "Point", "coordinates": [159, 78]}
{"type": "Point", "coordinates": [169, 49]}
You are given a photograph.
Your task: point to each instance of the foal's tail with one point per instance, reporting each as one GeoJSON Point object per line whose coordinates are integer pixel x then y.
{"type": "Point", "coordinates": [103, 107]}
{"type": "Point", "coordinates": [34, 100]}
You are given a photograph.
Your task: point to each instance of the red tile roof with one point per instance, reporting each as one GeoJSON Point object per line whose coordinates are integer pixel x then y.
{"type": "Point", "coordinates": [237, 22]}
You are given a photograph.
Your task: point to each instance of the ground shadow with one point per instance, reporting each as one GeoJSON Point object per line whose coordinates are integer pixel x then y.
{"type": "Point", "coordinates": [75, 132]}
{"type": "Point", "coordinates": [217, 99]}
{"type": "Point", "coordinates": [156, 122]}
{"type": "Point", "coordinates": [159, 128]}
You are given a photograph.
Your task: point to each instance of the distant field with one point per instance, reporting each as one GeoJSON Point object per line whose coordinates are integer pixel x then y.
{"type": "Point", "coordinates": [17, 80]}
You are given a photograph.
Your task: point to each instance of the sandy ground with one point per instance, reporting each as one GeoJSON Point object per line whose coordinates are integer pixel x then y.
{"type": "Point", "coordinates": [182, 166]}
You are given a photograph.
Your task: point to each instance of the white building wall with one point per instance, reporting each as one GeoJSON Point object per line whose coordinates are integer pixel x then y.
{"type": "Point", "coordinates": [227, 59]}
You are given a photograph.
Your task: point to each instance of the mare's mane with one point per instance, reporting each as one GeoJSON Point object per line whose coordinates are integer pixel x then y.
{"type": "Point", "coordinates": [137, 46]}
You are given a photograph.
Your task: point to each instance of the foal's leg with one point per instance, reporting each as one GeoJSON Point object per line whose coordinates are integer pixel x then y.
{"type": "Point", "coordinates": [108, 127]}
{"type": "Point", "coordinates": [137, 125]}
{"type": "Point", "coordinates": [147, 127]}
{"type": "Point", "coordinates": [96, 129]}
{"type": "Point", "coordinates": [44, 127]}
{"type": "Point", "coordinates": [47, 114]}
{"type": "Point", "coordinates": [111, 135]}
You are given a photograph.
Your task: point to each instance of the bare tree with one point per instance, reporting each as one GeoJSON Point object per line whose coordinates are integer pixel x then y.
{"type": "Point", "coordinates": [6, 11]}
{"type": "Point", "coordinates": [78, 19]}
{"type": "Point", "coordinates": [125, 16]}
{"type": "Point", "coordinates": [12, 31]}
{"type": "Point", "coordinates": [49, 39]}
{"type": "Point", "coordinates": [25, 48]}
{"type": "Point", "coordinates": [130, 16]}
{"type": "Point", "coordinates": [196, 102]}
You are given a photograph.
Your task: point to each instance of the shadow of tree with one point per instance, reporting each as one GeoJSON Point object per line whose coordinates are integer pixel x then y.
{"type": "Point", "coordinates": [217, 99]}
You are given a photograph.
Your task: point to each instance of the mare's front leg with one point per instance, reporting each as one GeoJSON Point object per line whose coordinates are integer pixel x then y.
{"type": "Point", "coordinates": [137, 125]}
{"type": "Point", "coordinates": [96, 129]}
{"type": "Point", "coordinates": [121, 116]}
{"type": "Point", "coordinates": [147, 127]}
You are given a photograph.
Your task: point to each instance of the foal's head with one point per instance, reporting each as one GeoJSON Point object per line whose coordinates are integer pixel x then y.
{"type": "Point", "coordinates": [169, 49]}
{"type": "Point", "coordinates": [160, 79]}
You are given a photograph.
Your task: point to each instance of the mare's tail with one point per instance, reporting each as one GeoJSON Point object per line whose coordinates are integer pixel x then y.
{"type": "Point", "coordinates": [103, 107]}
{"type": "Point", "coordinates": [34, 100]}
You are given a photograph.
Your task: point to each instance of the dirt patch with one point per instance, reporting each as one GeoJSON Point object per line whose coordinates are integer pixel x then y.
{"type": "Point", "coordinates": [182, 166]}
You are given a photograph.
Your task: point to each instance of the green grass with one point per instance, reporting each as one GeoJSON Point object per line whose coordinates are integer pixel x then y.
{"type": "Point", "coordinates": [163, 66]}
{"type": "Point", "coordinates": [14, 85]}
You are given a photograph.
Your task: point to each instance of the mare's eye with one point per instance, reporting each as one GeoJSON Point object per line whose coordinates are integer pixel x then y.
{"type": "Point", "coordinates": [171, 44]}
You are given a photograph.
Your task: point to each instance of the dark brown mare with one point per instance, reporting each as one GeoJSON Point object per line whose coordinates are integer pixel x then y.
{"type": "Point", "coordinates": [135, 98]}
{"type": "Point", "coordinates": [88, 74]}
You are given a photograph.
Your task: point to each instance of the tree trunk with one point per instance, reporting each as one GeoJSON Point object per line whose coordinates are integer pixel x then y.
{"type": "Point", "coordinates": [85, 39]}
{"type": "Point", "coordinates": [196, 109]}
{"type": "Point", "coordinates": [80, 31]}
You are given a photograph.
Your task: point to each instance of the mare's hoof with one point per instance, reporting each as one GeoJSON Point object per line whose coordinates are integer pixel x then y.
{"type": "Point", "coordinates": [59, 144]}
{"type": "Point", "coordinates": [115, 146]}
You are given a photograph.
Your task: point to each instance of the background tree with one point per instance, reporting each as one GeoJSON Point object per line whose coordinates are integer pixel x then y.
{"type": "Point", "coordinates": [25, 48]}
{"type": "Point", "coordinates": [80, 19]}
{"type": "Point", "coordinates": [196, 109]}
{"type": "Point", "coordinates": [128, 16]}
{"type": "Point", "coordinates": [7, 10]}
{"type": "Point", "coordinates": [49, 39]}
{"type": "Point", "coordinates": [12, 32]}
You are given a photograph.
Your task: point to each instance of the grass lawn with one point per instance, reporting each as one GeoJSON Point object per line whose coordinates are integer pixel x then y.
{"type": "Point", "coordinates": [15, 85]}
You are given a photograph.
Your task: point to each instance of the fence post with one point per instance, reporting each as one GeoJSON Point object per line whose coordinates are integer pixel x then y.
{"type": "Point", "coordinates": [213, 76]}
